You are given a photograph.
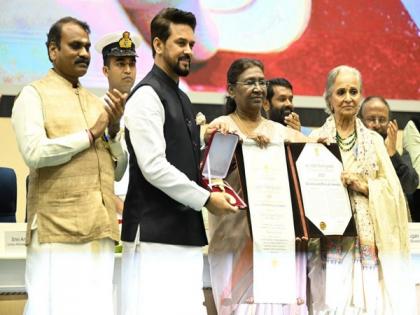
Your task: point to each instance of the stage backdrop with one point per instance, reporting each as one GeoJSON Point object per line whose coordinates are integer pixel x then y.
{"type": "Point", "coordinates": [300, 40]}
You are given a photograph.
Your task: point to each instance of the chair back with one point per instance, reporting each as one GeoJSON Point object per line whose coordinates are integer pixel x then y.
{"type": "Point", "coordinates": [8, 194]}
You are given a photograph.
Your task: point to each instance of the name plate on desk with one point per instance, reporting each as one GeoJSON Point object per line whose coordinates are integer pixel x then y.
{"type": "Point", "coordinates": [272, 225]}
{"type": "Point", "coordinates": [12, 239]}
{"type": "Point", "coordinates": [414, 235]}
{"type": "Point", "coordinates": [414, 239]}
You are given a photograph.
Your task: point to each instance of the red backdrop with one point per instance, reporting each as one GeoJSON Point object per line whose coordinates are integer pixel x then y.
{"type": "Point", "coordinates": [378, 37]}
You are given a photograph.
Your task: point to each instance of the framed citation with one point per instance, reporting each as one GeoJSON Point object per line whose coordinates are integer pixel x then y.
{"type": "Point", "coordinates": [317, 190]}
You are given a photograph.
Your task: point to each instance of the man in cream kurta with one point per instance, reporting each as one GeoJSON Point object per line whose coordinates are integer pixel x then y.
{"type": "Point", "coordinates": [72, 222]}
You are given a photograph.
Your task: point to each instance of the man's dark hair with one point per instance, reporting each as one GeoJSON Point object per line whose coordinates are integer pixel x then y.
{"type": "Point", "coordinates": [235, 70]}
{"type": "Point", "coordinates": [107, 61]}
{"type": "Point", "coordinates": [54, 35]}
{"type": "Point", "coordinates": [277, 81]}
{"type": "Point", "coordinates": [373, 97]}
{"type": "Point", "coordinates": [160, 25]}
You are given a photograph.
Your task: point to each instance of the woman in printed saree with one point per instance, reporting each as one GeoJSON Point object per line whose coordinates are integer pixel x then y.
{"type": "Point", "coordinates": [368, 274]}
{"type": "Point", "coordinates": [231, 247]}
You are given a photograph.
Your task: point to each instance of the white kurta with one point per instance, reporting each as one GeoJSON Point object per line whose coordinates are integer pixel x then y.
{"type": "Point", "coordinates": [69, 279]}
{"type": "Point", "coordinates": [160, 279]}
{"type": "Point", "coordinates": [62, 278]}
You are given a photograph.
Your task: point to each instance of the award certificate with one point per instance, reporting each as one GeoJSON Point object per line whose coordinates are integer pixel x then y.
{"type": "Point", "coordinates": [271, 222]}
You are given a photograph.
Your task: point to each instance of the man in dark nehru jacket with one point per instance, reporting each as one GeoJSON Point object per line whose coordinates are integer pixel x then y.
{"type": "Point", "coordinates": [163, 230]}
{"type": "Point", "coordinates": [72, 224]}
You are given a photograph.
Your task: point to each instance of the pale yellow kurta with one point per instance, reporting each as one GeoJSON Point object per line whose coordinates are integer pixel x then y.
{"type": "Point", "coordinates": [63, 278]}
{"type": "Point", "coordinates": [230, 248]}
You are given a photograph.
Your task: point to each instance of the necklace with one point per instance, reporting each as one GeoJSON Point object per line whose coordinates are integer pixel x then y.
{"type": "Point", "coordinates": [244, 126]}
{"type": "Point", "coordinates": [346, 144]}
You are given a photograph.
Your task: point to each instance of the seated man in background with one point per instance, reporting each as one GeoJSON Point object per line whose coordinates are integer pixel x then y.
{"type": "Point", "coordinates": [279, 105]}
{"type": "Point", "coordinates": [375, 114]}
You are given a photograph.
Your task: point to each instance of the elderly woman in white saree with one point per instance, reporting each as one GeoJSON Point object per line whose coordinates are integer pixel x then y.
{"type": "Point", "coordinates": [369, 274]}
{"type": "Point", "coordinates": [231, 247]}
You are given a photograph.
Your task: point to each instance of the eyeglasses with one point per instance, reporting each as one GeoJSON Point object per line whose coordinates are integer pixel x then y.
{"type": "Point", "coordinates": [253, 83]}
{"type": "Point", "coordinates": [376, 120]}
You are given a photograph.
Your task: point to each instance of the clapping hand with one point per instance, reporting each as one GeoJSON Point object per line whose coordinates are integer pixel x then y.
{"type": "Point", "coordinates": [115, 109]}
{"type": "Point", "coordinates": [391, 139]}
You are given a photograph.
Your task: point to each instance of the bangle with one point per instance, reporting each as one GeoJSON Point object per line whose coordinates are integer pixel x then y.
{"type": "Point", "coordinates": [105, 137]}
{"type": "Point", "coordinates": [90, 135]}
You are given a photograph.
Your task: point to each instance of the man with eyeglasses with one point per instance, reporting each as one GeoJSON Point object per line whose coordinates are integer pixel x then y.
{"type": "Point", "coordinates": [279, 107]}
{"type": "Point", "coordinates": [375, 114]}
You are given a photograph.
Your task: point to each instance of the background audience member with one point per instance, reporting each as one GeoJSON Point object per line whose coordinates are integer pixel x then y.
{"type": "Point", "coordinates": [411, 143]}
{"type": "Point", "coordinates": [279, 107]}
{"type": "Point", "coordinates": [375, 114]}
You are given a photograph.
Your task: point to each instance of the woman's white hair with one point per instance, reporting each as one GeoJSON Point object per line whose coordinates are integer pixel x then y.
{"type": "Point", "coordinates": [332, 76]}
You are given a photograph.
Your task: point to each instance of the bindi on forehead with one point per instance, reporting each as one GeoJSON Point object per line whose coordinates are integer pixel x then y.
{"type": "Point", "coordinates": [347, 79]}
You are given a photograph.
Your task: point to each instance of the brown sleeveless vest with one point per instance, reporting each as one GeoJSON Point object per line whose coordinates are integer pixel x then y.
{"type": "Point", "coordinates": [73, 201]}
